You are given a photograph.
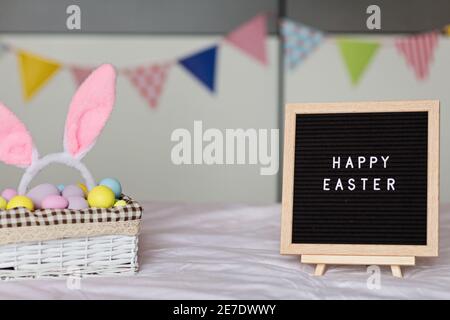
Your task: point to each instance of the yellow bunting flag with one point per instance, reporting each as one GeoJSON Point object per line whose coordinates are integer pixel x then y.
{"type": "Point", "coordinates": [35, 71]}
{"type": "Point", "coordinates": [447, 30]}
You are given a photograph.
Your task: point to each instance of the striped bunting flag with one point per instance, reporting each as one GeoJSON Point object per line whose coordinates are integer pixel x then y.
{"type": "Point", "coordinates": [418, 50]}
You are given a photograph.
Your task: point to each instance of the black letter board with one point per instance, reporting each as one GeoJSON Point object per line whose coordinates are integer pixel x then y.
{"type": "Point", "coordinates": [352, 156]}
{"type": "Point", "coordinates": [362, 174]}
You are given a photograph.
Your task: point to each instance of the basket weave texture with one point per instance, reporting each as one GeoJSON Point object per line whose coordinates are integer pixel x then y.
{"type": "Point", "coordinates": [55, 243]}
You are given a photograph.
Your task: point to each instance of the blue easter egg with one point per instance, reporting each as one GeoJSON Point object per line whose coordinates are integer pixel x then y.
{"type": "Point", "coordinates": [113, 184]}
{"type": "Point", "coordinates": [60, 187]}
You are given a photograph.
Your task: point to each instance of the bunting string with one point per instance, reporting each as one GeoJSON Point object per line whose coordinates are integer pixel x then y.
{"type": "Point", "coordinates": [299, 42]}
{"type": "Point", "coordinates": [149, 80]}
{"type": "Point", "coordinates": [418, 49]}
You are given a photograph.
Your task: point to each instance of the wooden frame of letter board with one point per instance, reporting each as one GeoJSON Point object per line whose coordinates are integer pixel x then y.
{"type": "Point", "coordinates": [393, 255]}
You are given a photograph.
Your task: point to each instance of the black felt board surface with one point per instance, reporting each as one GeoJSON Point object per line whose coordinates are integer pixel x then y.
{"type": "Point", "coordinates": [396, 215]}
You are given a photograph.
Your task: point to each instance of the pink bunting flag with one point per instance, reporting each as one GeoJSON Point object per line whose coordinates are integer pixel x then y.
{"type": "Point", "coordinates": [418, 50]}
{"type": "Point", "coordinates": [149, 81]}
{"type": "Point", "coordinates": [80, 74]}
{"type": "Point", "coordinates": [250, 37]}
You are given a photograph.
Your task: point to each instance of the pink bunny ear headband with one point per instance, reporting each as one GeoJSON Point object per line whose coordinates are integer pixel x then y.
{"type": "Point", "coordinates": [89, 110]}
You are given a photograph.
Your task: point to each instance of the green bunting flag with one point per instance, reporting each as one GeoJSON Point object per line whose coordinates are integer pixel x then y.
{"type": "Point", "coordinates": [357, 55]}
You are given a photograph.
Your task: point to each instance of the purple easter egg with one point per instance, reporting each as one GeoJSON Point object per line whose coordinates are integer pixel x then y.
{"type": "Point", "coordinates": [8, 194]}
{"type": "Point", "coordinates": [54, 202]}
{"type": "Point", "coordinates": [40, 192]}
{"type": "Point", "coordinates": [77, 203]}
{"type": "Point", "coordinates": [73, 191]}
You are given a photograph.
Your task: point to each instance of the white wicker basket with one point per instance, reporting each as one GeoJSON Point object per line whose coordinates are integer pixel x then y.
{"type": "Point", "coordinates": [79, 243]}
{"type": "Point", "coordinates": [55, 243]}
{"type": "Point", "coordinates": [80, 257]}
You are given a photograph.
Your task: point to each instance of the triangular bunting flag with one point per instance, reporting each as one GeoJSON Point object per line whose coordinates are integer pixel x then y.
{"type": "Point", "coordinates": [446, 30]}
{"type": "Point", "coordinates": [149, 81]}
{"type": "Point", "coordinates": [80, 74]}
{"type": "Point", "coordinates": [250, 37]}
{"type": "Point", "coordinates": [357, 55]}
{"type": "Point", "coordinates": [202, 65]}
{"type": "Point", "coordinates": [299, 41]}
{"type": "Point", "coordinates": [418, 50]}
{"type": "Point", "coordinates": [35, 71]}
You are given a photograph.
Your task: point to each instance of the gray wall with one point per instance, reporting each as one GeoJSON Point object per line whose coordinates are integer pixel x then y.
{"type": "Point", "coordinates": [156, 29]}
{"type": "Point", "coordinates": [133, 16]}
{"type": "Point", "coordinates": [397, 16]}
{"type": "Point", "coordinates": [217, 16]}
{"type": "Point", "coordinates": [135, 145]}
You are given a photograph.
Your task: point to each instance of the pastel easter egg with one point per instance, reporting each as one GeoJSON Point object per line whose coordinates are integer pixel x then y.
{"type": "Point", "coordinates": [20, 202]}
{"type": "Point", "coordinates": [40, 192]}
{"type": "Point", "coordinates": [77, 203]}
{"type": "Point", "coordinates": [113, 184]}
{"type": "Point", "coordinates": [3, 203]}
{"type": "Point", "coordinates": [9, 193]}
{"type": "Point", "coordinates": [72, 191]}
{"type": "Point", "coordinates": [54, 202]}
{"type": "Point", "coordinates": [101, 197]}
{"type": "Point", "coordinates": [60, 187]}
{"type": "Point", "coordinates": [84, 188]}
{"type": "Point", "coordinates": [120, 203]}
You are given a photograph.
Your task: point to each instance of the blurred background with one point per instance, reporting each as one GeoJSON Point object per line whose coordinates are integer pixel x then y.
{"type": "Point", "coordinates": [268, 52]}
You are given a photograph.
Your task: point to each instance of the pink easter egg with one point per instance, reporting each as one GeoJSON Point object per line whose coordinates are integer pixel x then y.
{"type": "Point", "coordinates": [54, 202]}
{"type": "Point", "coordinates": [40, 192]}
{"type": "Point", "coordinates": [77, 203]}
{"type": "Point", "coordinates": [8, 194]}
{"type": "Point", "coordinates": [73, 191]}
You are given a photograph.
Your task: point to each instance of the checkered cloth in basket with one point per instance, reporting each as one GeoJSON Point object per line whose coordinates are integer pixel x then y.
{"type": "Point", "coordinates": [19, 225]}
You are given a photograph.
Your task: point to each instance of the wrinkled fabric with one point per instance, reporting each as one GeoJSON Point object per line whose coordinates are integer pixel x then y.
{"type": "Point", "coordinates": [199, 251]}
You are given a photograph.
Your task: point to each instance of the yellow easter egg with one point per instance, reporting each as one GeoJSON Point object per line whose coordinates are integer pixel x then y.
{"type": "Point", "coordinates": [20, 201]}
{"type": "Point", "coordinates": [101, 197]}
{"type": "Point", "coordinates": [120, 203]}
{"type": "Point", "coordinates": [84, 188]}
{"type": "Point", "coordinates": [3, 203]}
